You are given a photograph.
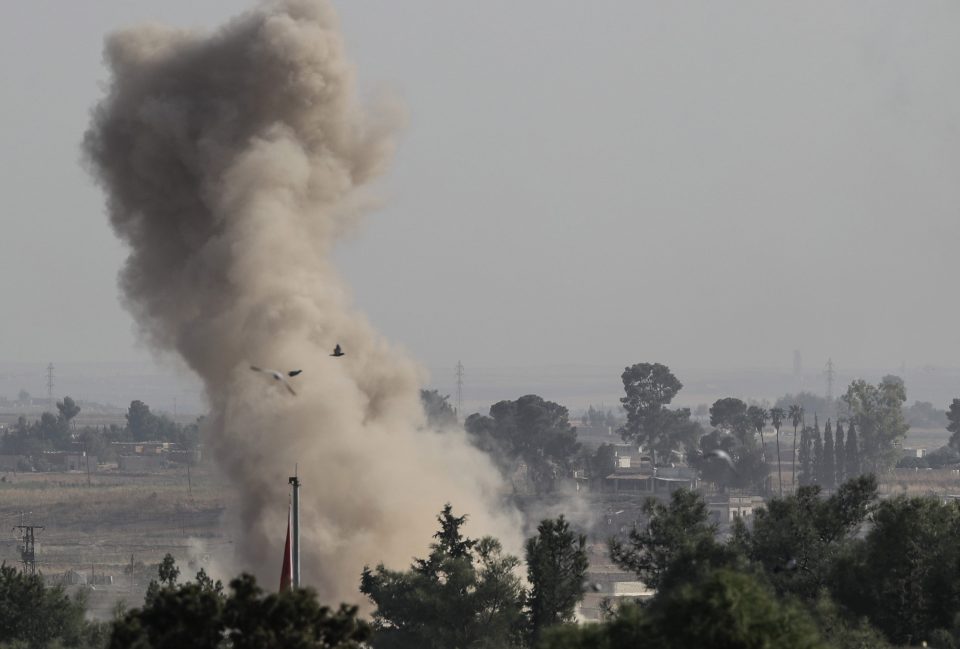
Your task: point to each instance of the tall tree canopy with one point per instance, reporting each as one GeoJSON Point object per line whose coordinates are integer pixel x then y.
{"type": "Point", "coordinates": [465, 594]}
{"type": "Point", "coordinates": [953, 416]}
{"type": "Point", "coordinates": [556, 568]}
{"type": "Point", "coordinates": [877, 411]}
{"type": "Point", "coordinates": [649, 389]}
{"type": "Point", "coordinates": [531, 431]}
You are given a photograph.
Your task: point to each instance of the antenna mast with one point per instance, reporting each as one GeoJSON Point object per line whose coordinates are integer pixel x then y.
{"type": "Point", "coordinates": [459, 375]}
{"type": "Point", "coordinates": [50, 383]}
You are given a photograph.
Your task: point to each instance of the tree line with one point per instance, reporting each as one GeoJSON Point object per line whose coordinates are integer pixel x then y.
{"type": "Point", "coordinates": [59, 432]}
{"type": "Point", "coordinates": [845, 571]}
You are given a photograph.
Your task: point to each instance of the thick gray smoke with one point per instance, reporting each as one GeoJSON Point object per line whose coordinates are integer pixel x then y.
{"type": "Point", "coordinates": [232, 163]}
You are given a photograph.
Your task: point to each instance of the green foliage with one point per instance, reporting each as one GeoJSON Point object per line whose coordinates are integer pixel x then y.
{"type": "Point", "coordinates": [141, 423]}
{"type": "Point", "coordinates": [556, 568]}
{"type": "Point", "coordinates": [649, 388]}
{"type": "Point", "coordinates": [816, 458]}
{"type": "Point", "coordinates": [750, 472]}
{"type": "Point", "coordinates": [168, 571]}
{"type": "Point", "coordinates": [828, 471]}
{"type": "Point", "coordinates": [200, 615]}
{"type": "Point", "coordinates": [68, 409]}
{"type": "Point", "coordinates": [661, 552]}
{"type": "Point", "coordinates": [440, 414]}
{"type": "Point", "coordinates": [730, 416]}
{"type": "Point", "coordinates": [806, 456]}
{"type": "Point", "coordinates": [877, 411]}
{"type": "Point", "coordinates": [839, 456]}
{"type": "Point", "coordinates": [953, 415]}
{"type": "Point", "coordinates": [777, 416]}
{"type": "Point", "coordinates": [529, 430]}
{"type": "Point", "coordinates": [723, 609]}
{"type": "Point", "coordinates": [842, 632]}
{"type": "Point", "coordinates": [852, 453]}
{"type": "Point", "coordinates": [465, 594]}
{"type": "Point", "coordinates": [604, 461]}
{"type": "Point", "coordinates": [796, 540]}
{"type": "Point", "coordinates": [36, 616]}
{"type": "Point", "coordinates": [905, 575]}
{"type": "Point", "coordinates": [923, 414]}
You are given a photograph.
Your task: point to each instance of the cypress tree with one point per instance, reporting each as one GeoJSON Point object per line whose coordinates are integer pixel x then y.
{"type": "Point", "coordinates": [852, 453]}
{"type": "Point", "coordinates": [828, 473]}
{"type": "Point", "coordinates": [816, 471]}
{"type": "Point", "coordinates": [805, 442]}
{"type": "Point", "coordinates": [840, 455]}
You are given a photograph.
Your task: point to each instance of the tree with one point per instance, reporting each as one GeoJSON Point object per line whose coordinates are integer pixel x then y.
{"type": "Point", "coordinates": [200, 615]}
{"type": "Point", "coordinates": [68, 409]}
{"type": "Point", "coordinates": [877, 411]}
{"type": "Point", "coordinates": [839, 455]}
{"type": "Point", "coordinates": [531, 431]}
{"type": "Point", "coordinates": [730, 416]}
{"type": "Point", "coordinates": [903, 575]}
{"type": "Point", "coordinates": [806, 456]}
{"type": "Point", "coordinates": [796, 417]}
{"type": "Point", "coordinates": [35, 616]}
{"type": "Point", "coordinates": [816, 460]}
{"type": "Point", "coordinates": [776, 419]}
{"type": "Point", "coordinates": [758, 419]}
{"type": "Point", "coordinates": [556, 568]}
{"type": "Point", "coordinates": [649, 388]}
{"type": "Point", "coordinates": [852, 453]}
{"type": "Point", "coordinates": [749, 471]}
{"type": "Point", "coordinates": [797, 539]}
{"type": "Point", "coordinates": [465, 594]}
{"type": "Point", "coordinates": [678, 529]}
{"type": "Point", "coordinates": [723, 609]}
{"type": "Point", "coordinates": [440, 414]}
{"type": "Point", "coordinates": [953, 416]}
{"type": "Point", "coordinates": [828, 472]}
{"type": "Point", "coordinates": [141, 423]}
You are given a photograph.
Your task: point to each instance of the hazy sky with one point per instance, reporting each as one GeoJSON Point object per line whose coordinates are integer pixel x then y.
{"type": "Point", "coordinates": [703, 184]}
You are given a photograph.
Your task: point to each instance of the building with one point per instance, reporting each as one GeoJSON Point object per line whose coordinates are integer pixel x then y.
{"type": "Point", "coordinates": [70, 461]}
{"type": "Point", "coordinates": [725, 508]}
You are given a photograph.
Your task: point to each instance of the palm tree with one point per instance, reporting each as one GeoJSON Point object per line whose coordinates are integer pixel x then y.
{"type": "Point", "coordinates": [776, 418]}
{"type": "Point", "coordinates": [796, 416]}
{"type": "Point", "coordinates": [758, 419]}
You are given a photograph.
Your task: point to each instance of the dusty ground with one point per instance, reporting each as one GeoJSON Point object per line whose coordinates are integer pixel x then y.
{"type": "Point", "coordinates": [95, 529]}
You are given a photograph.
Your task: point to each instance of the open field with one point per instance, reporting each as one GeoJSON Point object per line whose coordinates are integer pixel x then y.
{"type": "Point", "coordinates": [97, 529]}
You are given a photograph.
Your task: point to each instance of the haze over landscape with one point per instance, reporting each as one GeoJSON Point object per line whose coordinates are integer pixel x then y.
{"type": "Point", "coordinates": [575, 186]}
{"type": "Point", "coordinates": [502, 326]}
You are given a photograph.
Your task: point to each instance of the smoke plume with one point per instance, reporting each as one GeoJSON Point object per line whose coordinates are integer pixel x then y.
{"type": "Point", "coordinates": [232, 163]}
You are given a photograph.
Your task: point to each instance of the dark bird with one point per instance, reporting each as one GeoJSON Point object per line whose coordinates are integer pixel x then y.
{"type": "Point", "coordinates": [337, 351]}
{"type": "Point", "coordinates": [293, 372]}
{"type": "Point", "coordinates": [278, 376]}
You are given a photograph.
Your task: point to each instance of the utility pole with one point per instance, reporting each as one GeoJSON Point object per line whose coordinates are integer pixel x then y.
{"type": "Point", "coordinates": [50, 383]}
{"type": "Point", "coordinates": [295, 542]}
{"type": "Point", "coordinates": [830, 377]}
{"type": "Point", "coordinates": [28, 546]}
{"type": "Point", "coordinates": [459, 375]}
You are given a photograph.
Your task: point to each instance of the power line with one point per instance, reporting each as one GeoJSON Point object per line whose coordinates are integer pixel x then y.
{"type": "Point", "coordinates": [830, 377]}
{"type": "Point", "coordinates": [50, 383]}
{"type": "Point", "coordinates": [28, 546]}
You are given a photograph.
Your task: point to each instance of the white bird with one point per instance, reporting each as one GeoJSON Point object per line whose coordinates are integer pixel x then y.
{"type": "Point", "coordinates": [278, 376]}
{"type": "Point", "coordinates": [722, 455]}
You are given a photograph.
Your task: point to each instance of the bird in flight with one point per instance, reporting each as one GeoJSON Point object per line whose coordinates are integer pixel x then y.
{"type": "Point", "coordinates": [278, 376]}
{"type": "Point", "coordinates": [721, 455]}
{"type": "Point", "coordinates": [337, 351]}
